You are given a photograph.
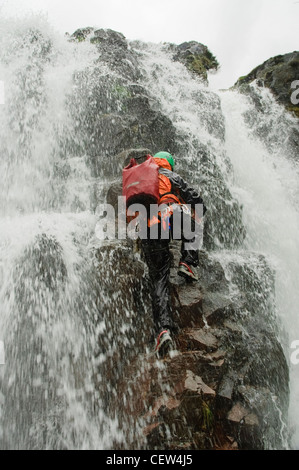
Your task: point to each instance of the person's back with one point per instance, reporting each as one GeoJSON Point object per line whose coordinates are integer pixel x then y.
{"type": "Point", "coordinates": [174, 195]}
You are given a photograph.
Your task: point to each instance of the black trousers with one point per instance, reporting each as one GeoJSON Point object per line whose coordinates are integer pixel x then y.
{"type": "Point", "coordinates": [157, 255]}
{"type": "Point", "coordinates": [158, 258]}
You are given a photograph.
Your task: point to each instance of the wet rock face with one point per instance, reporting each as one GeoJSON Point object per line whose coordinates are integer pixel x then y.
{"type": "Point", "coordinates": [226, 385]}
{"type": "Point", "coordinates": [280, 75]}
{"type": "Point", "coordinates": [276, 73]}
{"type": "Point", "coordinates": [113, 50]}
{"type": "Point", "coordinates": [117, 113]}
{"type": "Point", "coordinates": [43, 264]}
{"type": "Point", "coordinates": [38, 279]}
{"type": "Point", "coordinates": [226, 230]}
{"type": "Point", "coordinates": [197, 58]}
{"type": "Point", "coordinates": [115, 110]}
{"type": "Point", "coordinates": [115, 116]}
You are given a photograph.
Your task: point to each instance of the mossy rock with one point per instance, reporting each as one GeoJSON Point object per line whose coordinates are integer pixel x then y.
{"type": "Point", "coordinates": [277, 73]}
{"type": "Point", "coordinates": [81, 34]}
{"type": "Point", "coordinates": [294, 110]}
{"type": "Point", "coordinates": [196, 65]}
{"type": "Point", "coordinates": [197, 58]}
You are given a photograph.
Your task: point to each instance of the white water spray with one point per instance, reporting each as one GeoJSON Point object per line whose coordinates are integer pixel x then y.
{"type": "Point", "coordinates": [49, 320]}
{"type": "Point", "coordinates": [264, 179]}
{"type": "Point", "coordinates": [51, 329]}
{"type": "Point", "coordinates": [266, 182]}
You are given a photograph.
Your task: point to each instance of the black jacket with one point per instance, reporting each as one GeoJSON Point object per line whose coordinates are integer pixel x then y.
{"type": "Point", "coordinates": [182, 189]}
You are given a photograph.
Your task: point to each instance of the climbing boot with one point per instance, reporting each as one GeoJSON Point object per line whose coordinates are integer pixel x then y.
{"type": "Point", "coordinates": [186, 272]}
{"type": "Point", "coordinates": [164, 343]}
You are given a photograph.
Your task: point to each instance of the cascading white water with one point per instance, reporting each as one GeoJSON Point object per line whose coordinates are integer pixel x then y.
{"type": "Point", "coordinates": [266, 182]}
{"type": "Point", "coordinates": [264, 179]}
{"type": "Point", "coordinates": [50, 322]}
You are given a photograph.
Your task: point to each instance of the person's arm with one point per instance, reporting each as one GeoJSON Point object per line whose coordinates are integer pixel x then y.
{"type": "Point", "coordinates": [188, 194]}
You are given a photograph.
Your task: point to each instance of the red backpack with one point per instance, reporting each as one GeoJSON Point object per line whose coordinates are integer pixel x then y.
{"type": "Point", "coordinates": [141, 182]}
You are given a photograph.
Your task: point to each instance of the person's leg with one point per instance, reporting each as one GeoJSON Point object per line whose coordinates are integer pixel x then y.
{"type": "Point", "coordinates": [157, 256]}
{"type": "Point", "coordinates": [189, 248]}
{"type": "Point", "coordinates": [189, 256]}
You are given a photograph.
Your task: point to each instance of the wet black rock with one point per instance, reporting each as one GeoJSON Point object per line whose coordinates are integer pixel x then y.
{"type": "Point", "coordinates": [115, 115]}
{"type": "Point", "coordinates": [226, 386]}
{"type": "Point", "coordinates": [277, 73]}
{"type": "Point", "coordinates": [42, 263]}
{"type": "Point", "coordinates": [197, 58]}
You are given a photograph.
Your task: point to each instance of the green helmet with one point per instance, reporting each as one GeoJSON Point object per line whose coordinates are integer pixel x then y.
{"type": "Point", "coordinates": [167, 156]}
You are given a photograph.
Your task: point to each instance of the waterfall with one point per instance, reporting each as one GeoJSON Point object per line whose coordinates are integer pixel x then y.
{"type": "Point", "coordinates": [65, 324]}
{"type": "Point", "coordinates": [266, 181]}
{"type": "Point", "coordinates": [261, 170]}
{"type": "Point", "coordinates": [50, 322]}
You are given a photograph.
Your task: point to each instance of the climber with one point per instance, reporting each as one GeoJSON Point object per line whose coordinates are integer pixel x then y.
{"type": "Point", "coordinates": [174, 194]}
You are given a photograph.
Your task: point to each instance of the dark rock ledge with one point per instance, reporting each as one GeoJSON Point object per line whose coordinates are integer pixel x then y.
{"type": "Point", "coordinates": [226, 386]}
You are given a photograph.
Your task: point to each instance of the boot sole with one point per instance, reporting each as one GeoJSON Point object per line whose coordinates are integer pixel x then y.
{"type": "Point", "coordinates": [165, 346]}
{"type": "Point", "coordinates": [187, 276]}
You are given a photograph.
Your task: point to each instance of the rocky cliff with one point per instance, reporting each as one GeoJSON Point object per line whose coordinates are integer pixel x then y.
{"type": "Point", "coordinates": [279, 75]}
{"type": "Point", "coordinates": [77, 312]}
{"type": "Point", "coordinates": [226, 386]}
{"type": "Point", "coordinates": [223, 386]}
